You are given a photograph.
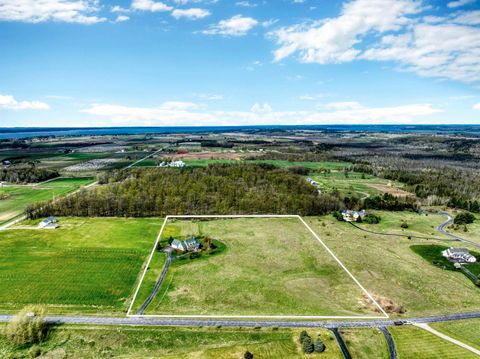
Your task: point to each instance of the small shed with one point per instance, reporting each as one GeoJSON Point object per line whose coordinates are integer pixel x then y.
{"type": "Point", "coordinates": [49, 223]}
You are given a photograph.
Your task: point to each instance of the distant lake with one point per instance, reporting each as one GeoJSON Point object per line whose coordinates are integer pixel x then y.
{"type": "Point", "coordinates": [26, 132]}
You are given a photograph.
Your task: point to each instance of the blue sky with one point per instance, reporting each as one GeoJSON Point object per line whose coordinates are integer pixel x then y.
{"type": "Point", "coordinates": [219, 62]}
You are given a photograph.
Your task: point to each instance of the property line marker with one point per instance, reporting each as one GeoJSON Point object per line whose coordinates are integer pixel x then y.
{"type": "Point", "coordinates": [384, 316]}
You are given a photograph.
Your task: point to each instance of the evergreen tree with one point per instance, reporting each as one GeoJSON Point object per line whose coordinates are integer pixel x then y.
{"type": "Point", "coordinates": [319, 345]}
{"type": "Point", "coordinates": [307, 345]}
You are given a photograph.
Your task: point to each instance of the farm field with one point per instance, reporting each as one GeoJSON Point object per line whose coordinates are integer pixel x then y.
{"type": "Point", "coordinates": [91, 342]}
{"type": "Point", "coordinates": [279, 163]}
{"type": "Point", "coordinates": [418, 224]}
{"type": "Point", "coordinates": [271, 266]}
{"type": "Point", "coordinates": [392, 271]}
{"type": "Point", "coordinates": [467, 331]}
{"type": "Point", "coordinates": [354, 183]}
{"type": "Point", "coordinates": [365, 343]}
{"type": "Point", "coordinates": [87, 265]}
{"type": "Point", "coordinates": [413, 342]}
{"type": "Point", "coordinates": [17, 197]}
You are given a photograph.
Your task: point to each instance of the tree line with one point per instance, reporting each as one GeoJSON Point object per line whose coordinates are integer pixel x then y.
{"type": "Point", "coordinates": [216, 189]}
{"type": "Point", "coordinates": [28, 173]}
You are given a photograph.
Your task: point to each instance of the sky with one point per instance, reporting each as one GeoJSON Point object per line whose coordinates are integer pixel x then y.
{"type": "Point", "coordinates": [226, 62]}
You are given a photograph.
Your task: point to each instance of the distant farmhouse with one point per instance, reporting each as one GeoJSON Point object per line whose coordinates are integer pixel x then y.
{"type": "Point", "coordinates": [459, 255]}
{"type": "Point", "coordinates": [315, 184]}
{"type": "Point", "coordinates": [177, 164]}
{"type": "Point", "coordinates": [49, 223]}
{"type": "Point", "coordinates": [189, 245]}
{"type": "Point", "coordinates": [352, 216]}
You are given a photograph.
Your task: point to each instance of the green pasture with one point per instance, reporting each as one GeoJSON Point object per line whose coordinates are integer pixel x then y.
{"type": "Point", "coordinates": [18, 197]}
{"type": "Point", "coordinates": [365, 343]}
{"type": "Point", "coordinates": [87, 265]}
{"type": "Point", "coordinates": [467, 331]}
{"type": "Point", "coordinates": [391, 271]}
{"type": "Point", "coordinates": [413, 342]}
{"type": "Point", "coordinates": [92, 342]}
{"type": "Point", "coordinates": [270, 266]}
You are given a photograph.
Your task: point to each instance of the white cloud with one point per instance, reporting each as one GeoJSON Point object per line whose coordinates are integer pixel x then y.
{"type": "Point", "coordinates": [122, 18]}
{"type": "Point", "coordinates": [348, 105]}
{"type": "Point", "coordinates": [459, 3]}
{"type": "Point", "coordinates": [10, 103]}
{"type": "Point", "coordinates": [35, 11]}
{"type": "Point", "coordinates": [235, 26]}
{"type": "Point", "coordinates": [476, 106]}
{"type": "Point", "coordinates": [190, 114]}
{"type": "Point", "coordinates": [246, 4]}
{"type": "Point", "coordinates": [191, 14]}
{"type": "Point", "coordinates": [150, 5]}
{"type": "Point", "coordinates": [333, 40]}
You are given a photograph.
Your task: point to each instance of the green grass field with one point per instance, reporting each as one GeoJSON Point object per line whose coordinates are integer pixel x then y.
{"type": "Point", "coordinates": [315, 166]}
{"type": "Point", "coordinates": [416, 343]}
{"type": "Point", "coordinates": [467, 331]}
{"type": "Point", "coordinates": [19, 196]}
{"type": "Point", "coordinates": [91, 342]}
{"type": "Point", "coordinates": [270, 267]}
{"type": "Point", "coordinates": [388, 268]}
{"type": "Point", "coordinates": [365, 343]}
{"type": "Point", "coordinates": [84, 266]}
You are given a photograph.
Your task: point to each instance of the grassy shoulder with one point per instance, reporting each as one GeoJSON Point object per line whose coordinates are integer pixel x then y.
{"type": "Point", "coordinates": [365, 343]}
{"type": "Point", "coordinates": [467, 331]}
{"type": "Point", "coordinates": [413, 342]}
{"type": "Point", "coordinates": [209, 343]}
{"type": "Point", "coordinates": [87, 265]}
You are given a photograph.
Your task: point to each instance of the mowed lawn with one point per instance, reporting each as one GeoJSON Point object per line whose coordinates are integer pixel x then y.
{"type": "Point", "coordinates": [271, 266]}
{"type": "Point", "coordinates": [87, 265]}
{"type": "Point", "coordinates": [415, 343]}
{"type": "Point", "coordinates": [18, 197]}
{"type": "Point", "coordinates": [92, 342]}
{"type": "Point", "coordinates": [467, 331]}
{"type": "Point", "coordinates": [391, 270]}
{"type": "Point", "coordinates": [365, 343]}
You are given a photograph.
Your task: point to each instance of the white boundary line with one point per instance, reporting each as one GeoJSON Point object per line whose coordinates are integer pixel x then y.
{"type": "Point", "coordinates": [385, 315]}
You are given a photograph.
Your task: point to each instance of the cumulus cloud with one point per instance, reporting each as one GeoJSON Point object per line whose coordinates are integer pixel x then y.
{"type": "Point", "coordinates": [390, 30]}
{"type": "Point", "coordinates": [10, 103]}
{"type": "Point", "coordinates": [122, 18]}
{"type": "Point", "coordinates": [191, 14]}
{"type": "Point", "coordinates": [237, 25]}
{"type": "Point", "coordinates": [191, 114]}
{"type": "Point", "coordinates": [150, 5]}
{"type": "Point", "coordinates": [333, 40]}
{"type": "Point", "coordinates": [35, 11]}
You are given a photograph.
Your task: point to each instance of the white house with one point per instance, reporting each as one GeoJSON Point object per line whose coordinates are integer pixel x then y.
{"type": "Point", "coordinates": [459, 255]}
{"type": "Point", "coordinates": [189, 245]}
{"type": "Point", "coordinates": [177, 164]}
{"type": "Point", "coordinates": [352, 216]}
{"type": "Point", "coordinates": [49, 223]}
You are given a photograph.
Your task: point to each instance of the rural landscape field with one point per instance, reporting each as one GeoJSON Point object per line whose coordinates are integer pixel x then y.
{"type": "Point", "coordinates": [248, 179]}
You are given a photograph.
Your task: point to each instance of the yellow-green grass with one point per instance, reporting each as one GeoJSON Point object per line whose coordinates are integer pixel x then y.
{"type": "Point", "coordinates": [388, 268]}
{"type": "Point", "coordinates": [18, 197]}
{"type": "Point", "coordinates": [365, 343]}
{"type": "Point", "coordinates": [153, 342]}
{"type": "Point", "coordinates": [472, 233]}
{"type": "Point", "coordinates": [418, 224]}
{"type": "Point", "coordinates": [467, 331]}
{"type": "Point", "coordinates": [87, 265]}
{"type": "Point", "coordinates": [415, 343]}
{"type": "Point", "coordinates": [315, 166]}
{"type": "Point", "coordinates": [271, 267]}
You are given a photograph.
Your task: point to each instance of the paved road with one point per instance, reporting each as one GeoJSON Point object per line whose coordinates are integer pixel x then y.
{"type": "Point", "coordinates": [390, 342]}
{"type": "Point", "coordinates": [149, 321]}
{"type": "Point", "coordinates": [143, 159]}
{"type": "Point", "coordinates": [159, 282]}
{"type": "Point", "coordinates": [341, 343]}
{"type": "Point", "coordinates": [402, 235]}
{"type": "Point", "coordinates": [441, 229]}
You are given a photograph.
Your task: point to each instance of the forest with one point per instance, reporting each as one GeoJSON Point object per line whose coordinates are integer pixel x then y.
{"type": "Point", "coordinates": [28, 173]}
{"type": "Point", "coordinates": [216, 189]}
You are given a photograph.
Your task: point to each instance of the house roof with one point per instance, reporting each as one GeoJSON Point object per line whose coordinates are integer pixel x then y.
{"type": "Point", "coordinates": [458, 250]}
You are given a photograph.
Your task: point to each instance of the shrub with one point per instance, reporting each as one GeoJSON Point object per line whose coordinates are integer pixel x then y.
{"type": "Point", "coordinates": [404, 224]}
{"type": "Point", "coordinates": [27, 327]}
{"type": "Point", "coordinates": [248, 355]}
{"type": "Point", "coordinates": [464, 218]}
{"type": "Point", "coordinates": [303, 335]}
{"type": "Point", "coordinates": [338, 215]}
{"type": "Point", "coordinates": [307, 345]}
{"type": "Point", "coordinates": [319, 346]}
{"type": "Point", "coordinates": [371, 219]}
